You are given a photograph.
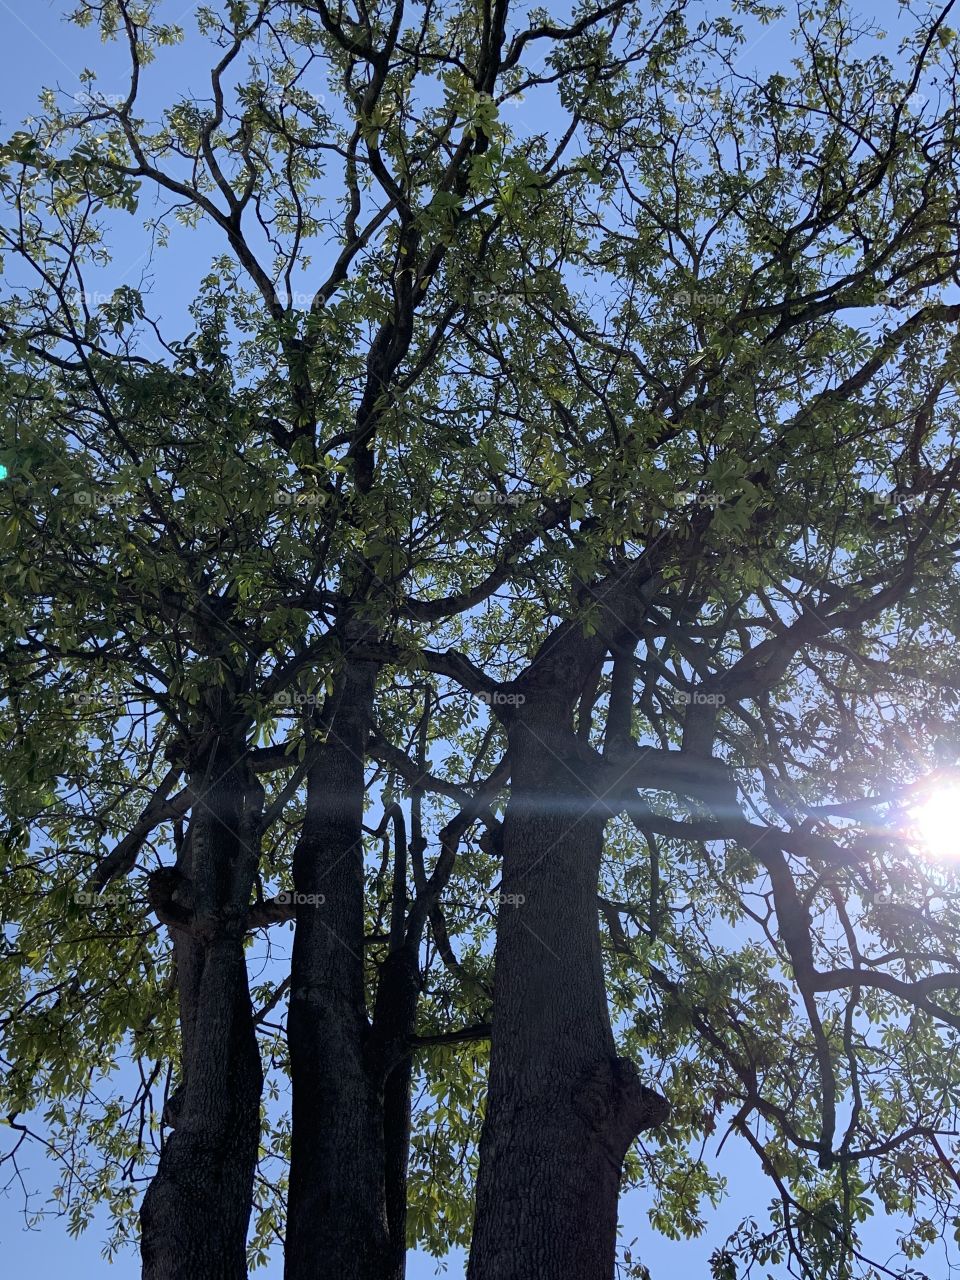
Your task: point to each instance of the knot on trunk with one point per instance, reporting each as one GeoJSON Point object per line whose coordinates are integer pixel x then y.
{"type": "Point", "coordinates": [617, 1106]}
{"type": "Point", "coordinates": [168, 892]}
{"type": "Point", "coordinates": [173, 1106]}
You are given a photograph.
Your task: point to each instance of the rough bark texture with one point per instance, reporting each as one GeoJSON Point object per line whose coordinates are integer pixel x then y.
{"type": "Point", "coordinates": [195, 1214]}
{"type": "Point", "coordinates": [562, 1109]}
{"type": "Point", "coordinates": [337, 1220]}
{"type": "Point", "coordinates": [396, 1135]}
{"type": "Point", "coordinates": [390, 1068]}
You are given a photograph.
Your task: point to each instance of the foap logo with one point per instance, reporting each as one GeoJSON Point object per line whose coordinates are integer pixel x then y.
{"type": "Point", "coordinates": [514, 100]}
{"type": "Point", "coordinates": [695, 298]}
{"type": "Point", "coordinates": [501, 698]}
{"type": "Point", "coordinates": [690, 499]}
{"type": "Point", "coordinates": [892, 98]}
{"type": "Point", "coordinates": [511, 297]}
{"type": "Point", "coordinates": [98, 700]}
{"type": "Point", "coordinates": [89, 297]}
{"type": "Point", "coordinates": [292, 898]}
{"type": "Point", "coordinates": [99, 499]}
{"type": "Point", "coordinates": [493, 498]}
{"type": "Point", "coordinates": [497, 899]}
{"type": "Point", "coordinates": [92, 100]}
{"type": "Point", "coordinates": [902, 500]}
{"type": "Point", "coordinates": [289, 498]}
{"type": "Point", "coordinates": [294, 698]}
{"type": "Point", "coordinates": [85, 898]}
{"type": "Point", "coordinates": [695, 698]}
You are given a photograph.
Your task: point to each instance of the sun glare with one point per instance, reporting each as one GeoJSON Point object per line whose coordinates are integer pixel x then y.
{"type": "Point", "coordinates": [937, 823]}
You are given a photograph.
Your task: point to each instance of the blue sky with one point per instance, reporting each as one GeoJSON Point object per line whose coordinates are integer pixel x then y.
{"type": "Point", "coordinates": [40, 49]}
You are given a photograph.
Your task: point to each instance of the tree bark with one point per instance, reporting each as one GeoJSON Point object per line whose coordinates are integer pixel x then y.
{"type": "Point", "coordinates": [389, 1061]}
{"type": "Point", "coordinates": [562, 1108]}
{"type": "Point", "coordinates": [337, 1219]}
{"type": "Point", "coordinates": [396, 1135]}
{"type": "Point", "coordinates": [196, 1211]}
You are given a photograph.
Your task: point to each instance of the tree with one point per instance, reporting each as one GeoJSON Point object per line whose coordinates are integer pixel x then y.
{"type": "Point", "coordinates": [242, 610]}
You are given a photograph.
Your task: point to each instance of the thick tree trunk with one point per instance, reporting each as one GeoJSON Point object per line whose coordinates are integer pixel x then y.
{"type": "Point", "coordinates": [562, 1108]}
{"type": "Point", "coordinates": [337, 1219]}
{"type": "Point", "coordinates": [195, 1214]}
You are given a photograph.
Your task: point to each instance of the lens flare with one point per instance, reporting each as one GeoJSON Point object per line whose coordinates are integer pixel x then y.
{"type": "Point", "coordinates": [936, 821]}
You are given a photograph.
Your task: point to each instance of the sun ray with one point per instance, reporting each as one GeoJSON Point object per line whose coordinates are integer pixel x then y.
{"type": "Point", "coordinates": [936, 821]}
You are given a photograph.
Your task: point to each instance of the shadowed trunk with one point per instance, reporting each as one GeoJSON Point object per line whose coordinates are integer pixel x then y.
{"type": "Point", "coordinates": [337, 1219]}
{"type": "Point", "coordinates": [195, 1214]}
{"type": "Point", "coordinates": [562, 1108]}
{"type": "Point", "coordinates": [396, 1136]}
{"type": "Point", "coordinates": [390, 1066]}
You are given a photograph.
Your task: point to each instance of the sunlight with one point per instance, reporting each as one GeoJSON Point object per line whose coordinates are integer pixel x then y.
{"type": "Point", "coordinates": [937, 822]}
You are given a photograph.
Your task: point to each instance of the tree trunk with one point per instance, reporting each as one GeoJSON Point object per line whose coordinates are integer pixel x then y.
{"type": "Point", "coordinates": [390, 1067]}
{"type": "Point", "coordinates": [396, 1132]}
{"type": "Point", "coordinates": [562, 1108]}
{"type": "Point", "coordinates": [337, 1220]}
{"type": "Point", "coordinates": [195, 1214]}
